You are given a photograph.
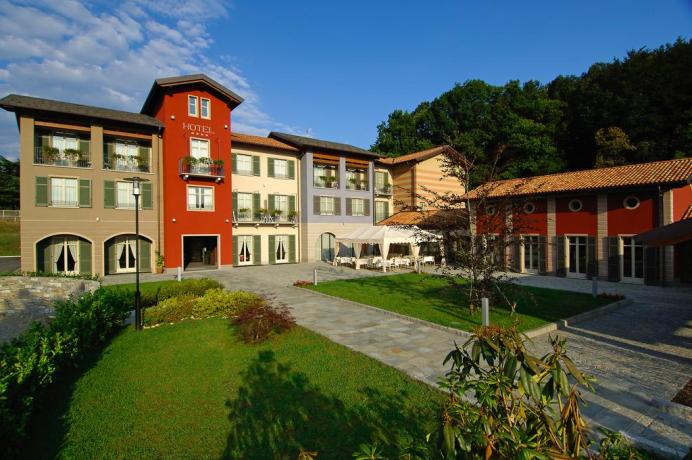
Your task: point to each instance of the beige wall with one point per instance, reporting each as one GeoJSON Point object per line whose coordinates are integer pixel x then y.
{"type": "Point", "coordinates": [430, 181]}
{"type": "Point", "coordinates": [95, 224]}
{"type": "Point", "coordinates": [265, 186]}
{"type": "Point", "coordinates": [403, 183]}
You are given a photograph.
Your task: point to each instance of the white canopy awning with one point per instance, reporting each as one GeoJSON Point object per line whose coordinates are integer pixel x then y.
{"type": "Point", "coordinates": [383, 236]}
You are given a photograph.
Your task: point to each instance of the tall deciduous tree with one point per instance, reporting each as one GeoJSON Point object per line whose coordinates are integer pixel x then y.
{"type": "Point", "coordinates": [9, 184]}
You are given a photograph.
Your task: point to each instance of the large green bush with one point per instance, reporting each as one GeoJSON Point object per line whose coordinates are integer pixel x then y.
{"type": "Point", "coordinates": [30, 362]}
{"type": "Point", "coordinates": [218, 302]}
{"type": "Point", "coordinates": [170, 310]}
{"type": "Point", "coordinates": [194, 287]}
{"type": "Point", "coordinates": [214, 302]}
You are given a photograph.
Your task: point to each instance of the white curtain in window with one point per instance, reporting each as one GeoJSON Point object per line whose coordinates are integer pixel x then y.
{"type": "Point", "coordinates": [72, 247]}
{"type": "Point", "coordinates": [58, 247]}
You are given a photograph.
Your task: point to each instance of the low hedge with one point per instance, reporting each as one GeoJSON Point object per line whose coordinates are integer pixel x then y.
{"type": "Point", "coordinates": [30, 362]}
{"type": "Point", "coordinates": [214, 302]}
{"type": "Point", "coordinates": [194, 287]}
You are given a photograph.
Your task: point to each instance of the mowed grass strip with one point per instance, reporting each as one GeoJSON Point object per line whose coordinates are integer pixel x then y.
{"type": "Point", "coordinates": [435, 299]}
{"type": "Point", "coordinates": [9, 238]}
{"type": "Point", "coordinates": [193, 390]}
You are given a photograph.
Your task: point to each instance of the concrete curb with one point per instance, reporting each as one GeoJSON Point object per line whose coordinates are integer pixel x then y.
{"type": "Point", "coordinates": [564, 323]}
{"type": "Point", "coordinates": [451, 330]}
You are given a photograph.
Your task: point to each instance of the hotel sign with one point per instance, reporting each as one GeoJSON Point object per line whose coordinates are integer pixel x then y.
{"type": "Point", "coordinates": [198, 129]}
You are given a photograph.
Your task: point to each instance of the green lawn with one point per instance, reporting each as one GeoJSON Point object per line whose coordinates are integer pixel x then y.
{"type": "Point", "coordinates": [433, 299]}
{"type": "Point", "coordinates": [192, 390]}
{"type": "Point", "coordinates": [9, 238]}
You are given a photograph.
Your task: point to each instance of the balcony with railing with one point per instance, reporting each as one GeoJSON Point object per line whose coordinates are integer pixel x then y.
{"type": "Point", "coordinates": [52, 156]}
{"type": "Point", "coordinates": [383, 189]}
{"type": "Point", "coordinates": [357, 179]}
{"type": "Point", "coordinates": [201, 168]}
{"type": "Point", "coordinates": [136, 158]}
{"type": "Point", "coordinates": [263, 216]}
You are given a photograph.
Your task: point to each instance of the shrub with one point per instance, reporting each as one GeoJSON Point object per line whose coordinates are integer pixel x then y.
{"type": "Point", "coordinates": [29, 363]}
{"type": "Point", "coordinates": [219, 302]}
{"type": "Point", "coordinates": [301, 283]}
{"type": "Point", "coordinates": [170, 310]}
{"type": "Point", "coordinates": [614, 296]}
{"type": "Point", "coordinates": [195, 287]}
{"type": "Point", "coordinates": [259, 322]}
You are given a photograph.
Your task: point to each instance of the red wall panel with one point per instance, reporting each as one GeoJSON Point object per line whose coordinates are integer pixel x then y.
{"type": "Point", "coordinates": [682, 199]}
{"type": "Point", "coordinates": [536, 222]}
{"type": "Point", "coordinates": [581, 222]}
{"type": "Point", "coordinates": [176, 145]}
{"type": "Point", "coordinates": [623, 221]}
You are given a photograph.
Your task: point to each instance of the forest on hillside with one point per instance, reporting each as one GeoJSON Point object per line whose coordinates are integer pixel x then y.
{"type": "Point", "coordinates": [633, 110]}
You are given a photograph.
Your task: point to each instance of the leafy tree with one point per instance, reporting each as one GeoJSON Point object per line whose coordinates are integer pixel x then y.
{"type": "Point", "coordinates": [9, 184]}
{"type": "Point", "coordinates": [613, 144]}
{"type": "Point", "coordinates": [506, 131]}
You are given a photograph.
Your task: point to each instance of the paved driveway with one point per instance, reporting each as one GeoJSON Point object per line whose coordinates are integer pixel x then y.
{"type": "Point", "coordinates": [641, 354]}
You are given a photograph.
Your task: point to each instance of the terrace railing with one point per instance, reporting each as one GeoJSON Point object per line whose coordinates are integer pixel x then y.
{"type": "Point", "coordinates": [51, 156]}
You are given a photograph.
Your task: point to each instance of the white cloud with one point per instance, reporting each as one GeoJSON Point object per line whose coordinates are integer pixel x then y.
{"type": "Point", "coordinates": [73, 51]}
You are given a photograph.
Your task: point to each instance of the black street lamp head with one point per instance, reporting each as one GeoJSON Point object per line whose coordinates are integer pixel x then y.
{"type": "Point", "coordinates": [136, 181]}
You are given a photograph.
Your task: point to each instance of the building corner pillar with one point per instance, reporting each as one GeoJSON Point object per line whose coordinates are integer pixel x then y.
{"type": "Point", "coordinates": [550, 235]}
{"type": "Point", "coordinates": [667, 252]}
{"type": "Point", "coordinates": [602, 235]}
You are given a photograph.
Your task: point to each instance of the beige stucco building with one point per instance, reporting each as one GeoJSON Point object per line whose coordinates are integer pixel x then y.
{"type": "Point", "coordinates": [77, 209]}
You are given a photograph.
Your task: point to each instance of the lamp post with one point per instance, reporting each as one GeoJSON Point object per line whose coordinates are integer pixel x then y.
{"type": "Point", "coordinates": [136, 182]}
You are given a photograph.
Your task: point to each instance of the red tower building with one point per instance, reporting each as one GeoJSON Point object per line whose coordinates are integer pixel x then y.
{"type": "Point", "coordinates": [195, 176]}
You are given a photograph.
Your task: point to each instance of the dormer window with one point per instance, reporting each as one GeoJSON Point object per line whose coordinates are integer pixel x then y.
{"type": "Point", "coordinates": [205, 108]}
{"type": "Point", "coordinates": [192, 102]}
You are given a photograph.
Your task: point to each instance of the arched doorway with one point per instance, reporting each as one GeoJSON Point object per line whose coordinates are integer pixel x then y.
{"type": "Point", "coordinates": [324, 247]}
{"type": "Point", "coordinates": [120, 254]}
{"type": "Point", "coordinates": [64, 254]}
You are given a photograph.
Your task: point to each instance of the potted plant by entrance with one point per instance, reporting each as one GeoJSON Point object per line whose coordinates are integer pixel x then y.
{"type": "Point", "coordinates": [159, 262]}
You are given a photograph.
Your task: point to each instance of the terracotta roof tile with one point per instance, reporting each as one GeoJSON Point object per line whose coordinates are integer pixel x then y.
{"type": "Point", "coordinates": [261, 141]}
{"type": "Point", "coordinates": [658, 172]}
{"type": "Point", "coordinates": [688, 213]}
{"type": "Point", "coordinates": [427, 218]}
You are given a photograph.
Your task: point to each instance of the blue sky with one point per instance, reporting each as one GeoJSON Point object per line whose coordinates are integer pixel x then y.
{"type": "Point", "coordinates": [333, 70]}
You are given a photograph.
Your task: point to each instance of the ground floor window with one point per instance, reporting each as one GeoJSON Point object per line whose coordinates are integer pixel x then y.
{"type": "Point", "coordinates": [531, 253]}
{"type": "Point", "coordinates": [125, 248]}
{"type": "Point", "coordinates": [632, 261]}
{"type": "Point", "coordinates": [577, 254]}
{"type": "Point", "coordinates": [120, 254]}
{"type": "Point", "coordinates": [325, 247]}
{"type": "Point", "coordinates": [245, 250]}
{"type": "Point", "coordinates": [64, 254]}
{"type": "Point", "coordinates": [200, 198]}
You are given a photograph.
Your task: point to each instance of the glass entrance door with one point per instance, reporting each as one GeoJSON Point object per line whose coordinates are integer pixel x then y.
{"type": "Point", "coordinates": [125, 253]}
{"type": "Point", "coordinates": [577, 255]}
{"type": "Point", "coordinates": [632, 259]}
{"type": "Point", "coordinates": [245, 250]}
{"type": "Point", "coordinates": [325, 247]}
{"type": "Point", "coordinates": [65, 255]}
{"type": "Point", "coordinates": [531, 248]}
{"type": "Point", "coordinates": [281, 249]}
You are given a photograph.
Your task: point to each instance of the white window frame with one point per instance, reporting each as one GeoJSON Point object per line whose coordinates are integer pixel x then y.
{"type": "Point", "coordinates": [202, 100]}
{"type": "Point", "coordinates": [190, 98]}
{"type": "Point", "coordinates": [66, 242]}
{"type": "Point", "coordinates": [524, 241]}
{"type": "Point", "coordinates": [278, 239]}
{"type": "Point", "coordinates": [630, 197]}
{"type": "Point", "coordinates": [576, 274]}
{"type": "Point", "coordinates": [281, 203]}
{"type": "Point", "coordinates": [197, 140]}
{"type": "Point", "coordinates": [621, 251]}
{"type": "Point", "coordinates": [251, 211]}
{"type": "Point", "coordinates": [379, 215]}
{"type": "Point", "coordinates": [203, 187]}
{"type": "Point", "coordinates": [284, 168]}
{"type": "Point", "coordinates": [128, 243]}
{"type": "Point", "coordinates": [361, 207]}
{"type": "Point", "coordinates": [323, 201]}
{"type": "Point", "coordinates": [243, 172]}
{"type": "Point", "coordinates": [131, 199]}
{"type": "Point", "coordinates": [249, 241]}
{"type": "Point", "coordinates": [65, 203]}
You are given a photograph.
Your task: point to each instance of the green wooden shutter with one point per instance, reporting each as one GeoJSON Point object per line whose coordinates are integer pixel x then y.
{"type": "Point", "coordinates": [291, 203]}
{"type": "Point", "coordinates": [561, 268]}
{"type": "Point", "coordinates": [44, 256]}
{"type": "Point", "coordinates": [591, 260]}
{"type": "Point", "coordinates": [256, 205]}
{"type": "Point", "coordinates": [270, 167]}
{"type": "Point", "coordinates": [292, 249]}
{"type": "Point", "coordinates": [235, 204]}
{"type": "Point", "coordinates": [542, 255]}
{"type": "Point", "coordinates": [291, 169]}
{"type": "Point", "coordinates": [84, 257]}
{"type": "Point", "coordinates": [517, 254]}
{"type": "Point", "coordinates": [272, 249]}
{"type": "Point", "coordinates": [316, 205]}
{"type": "Point", "coordinates": [349, 207]}
{"type": "Point", "coordinates": [234, 163]}
{"type": "Point", "coordinates": [386, 209]}
{"type": "Point", "coordinates": [41, 191]}
{"type": "Point", "coordinates": [85, 152]}
{"type": "Point", "coordinates": [144, 155]}
{"type": "Point", "coordinates": [270, 203]}
{"type": "Point", "coordinates": [337, 206]}
{"type": "Point", "coordinates": [613, 258]}
{"type": "Point", "coordinates": [257, 247]}
{"type": "Point", "coordinates": [111, 257]}
{"type": "Point", "coordinates": [109, 194]}
{"type": "Point", "coordinates": [652, 271]}
{"type": "Point", "coordinates": [108, 152]}
{"type": "Point", "coordinates": [366, 207]}
{"type": "Point", "coordinates": [84, 193]}
{"type": "Point", "coordinates": [255, 166]}
{"type": "Point", "coordinates": [235, 251]}
{"type": "Point", "coordinates": [144, 255]}
{"type": "Point", "coordinates": [147, 201]}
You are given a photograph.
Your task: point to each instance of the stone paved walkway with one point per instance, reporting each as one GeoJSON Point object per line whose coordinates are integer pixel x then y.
{"type": "Point", "coordinates": [641, 354]}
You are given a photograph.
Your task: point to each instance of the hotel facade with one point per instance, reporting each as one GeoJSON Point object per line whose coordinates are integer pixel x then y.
{"type": "Point", "coordinates": [211, 197]}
